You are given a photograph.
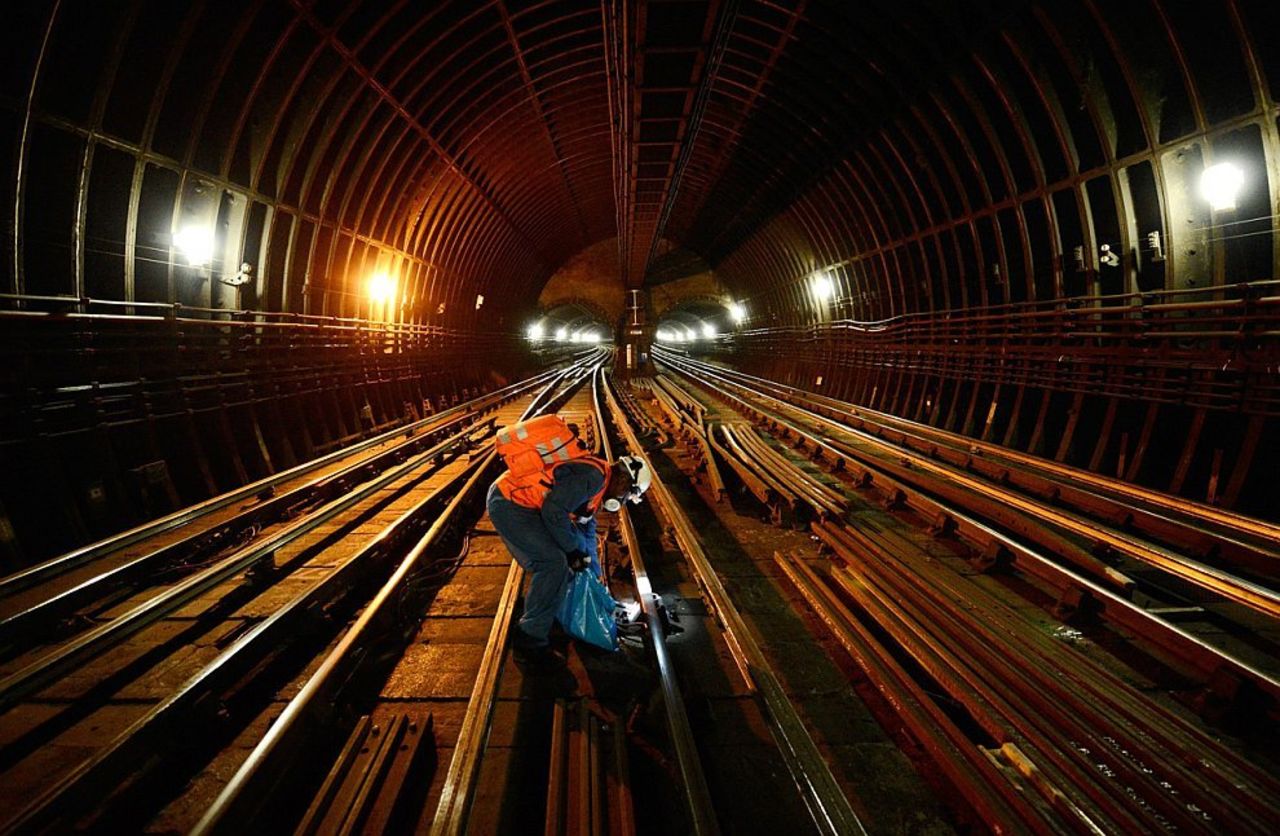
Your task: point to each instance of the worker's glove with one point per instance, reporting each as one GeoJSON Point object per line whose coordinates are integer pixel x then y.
{"type": "Point", "coordinates": [578, 560]}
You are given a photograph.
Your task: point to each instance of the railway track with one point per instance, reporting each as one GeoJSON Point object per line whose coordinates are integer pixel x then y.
{"type": "Point", "coordinates": [1234, 648]}
{"type": "Point", "coordinates": [86, 715]}
{"type": "Point", "coordinates": [339, 661]}
{"type": "Point", "coordinates": [1030, 728]}
{"type": "Point", "coordinates": [342, 669]}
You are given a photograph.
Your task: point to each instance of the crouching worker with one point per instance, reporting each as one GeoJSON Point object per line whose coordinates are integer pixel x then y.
{"type": "Point", "coordinates": [544, 509]}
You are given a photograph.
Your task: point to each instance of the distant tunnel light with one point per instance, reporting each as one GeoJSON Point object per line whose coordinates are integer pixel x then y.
{"type": "Point", "coordinates": [737, 312]}
{"type": "Point", "coordinates": [535, 332]}
{"type": "Point", "coordinates": [822, 286]}
{"type": "Point", "coordinates": [708, 330]}
{"type": "Point", "coordinates": [562, 334]}
{"type": "Point", "coordinates": [195, 243]}
{"type": "Point", "coordinates": [381, 287]}
{"type": "Point", "coordinates": [1220, 184]}
{"type": "Point", "coordinates": [591, 337]}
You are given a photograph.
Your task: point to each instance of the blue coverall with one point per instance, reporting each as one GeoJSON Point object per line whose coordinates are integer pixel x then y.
{"type": "Point", "coordinates": [541, 539]}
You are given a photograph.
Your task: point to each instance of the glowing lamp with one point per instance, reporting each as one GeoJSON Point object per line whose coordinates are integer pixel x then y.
{"type": "Point", "coordinates": [822, 287]}
{"type": "Point", "coordinates": [562, 333]}
{"type": "Point", "coordinates": [1220, 184]}
{"type": "Point", "coordinates": [737, 312]}
{"type": "Point", "coordinates": [535, 331]}
{"type": "Point", "coordinates": [381, 287]}
{"type": "Point", "coordinates": [708, 330]}
{"type": "Point", "coordinates": [195, 243]}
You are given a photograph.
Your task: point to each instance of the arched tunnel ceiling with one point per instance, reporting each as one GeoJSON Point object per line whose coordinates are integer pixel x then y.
{"type": "Point", "coordinates": [923, 155]}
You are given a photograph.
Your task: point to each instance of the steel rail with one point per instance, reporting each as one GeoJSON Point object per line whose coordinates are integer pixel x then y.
{"type": "Point", "coordinates": [899, 484]}
{"type": "Point", "coordinates": [685, 399]}
{"type": "Point", "coordinates": [693, 782]}
{"type": "Point", "coordinates": [826, 802]}
{"type": "Point", "coordinates": [1217, 581]}
{"type": "Point", "coordinates": [826, 500]}
{"type": "Point", "coordinates": [21, 624]}
{"type": "Point", "coordinates": [1173, 519]}
{"type": "Point", "coordinates": [1024, 680]}
{"type": "Point", "coordinates": [249, 787]}
{"type": "Point", "coordinates": [1239, 523]}
{"type": "Point", "coordinates": [588, 789]}
{"type": "Point", "coordinates": [95, 641]}
{"type": "Point", "coordinates": [801, 508]}
{"type": "Point", "coordinates": [88, 782]}
{"type": "Point", "coordinates": [696, 435]}
{"type": "Point", "coordinates": [767, 496]}
{"type": "Point", "coordinates": [994, 694]}
{"type": "Point", "coordinates": [53, 567]}
{"type": "Point", "coordinates": [681, 417]}
{"type": "Point", "coordinates": [1134, 721]}
{"type": "Point", "coordinates": [458, 791]}
{"type": "Point", "coordinates": [1208, 661]}
{"type": "Point", "coordinates": [999, 801]}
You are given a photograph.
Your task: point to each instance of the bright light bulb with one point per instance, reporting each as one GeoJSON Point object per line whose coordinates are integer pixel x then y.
{"type": "Point", "coordinates": [562, 333]}
{"type": "Point", "coordinates": [381, 287]}
{"type": "Point", "coordinates": [822, 286]}
{"type": "Point", "coordinates": [1220, 184]}
{"type": "Point", "coordinates": [576, 337]}
{"type": "Point", "coordinates": [737, 312]}
{"type": "Point", "coordinates": [195, 243]}
{"type": "Point", "coordinates": [591, 337]}
{"type": "Point", "coordinates": [535, 331]}
{"type": "Point", "coordinates": [708, 330]}
{"type": "Point", "coordinates": [691, 335]}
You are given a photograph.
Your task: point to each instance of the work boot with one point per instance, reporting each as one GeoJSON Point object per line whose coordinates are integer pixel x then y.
{"type": "Point", "coordinates": [532, 654]}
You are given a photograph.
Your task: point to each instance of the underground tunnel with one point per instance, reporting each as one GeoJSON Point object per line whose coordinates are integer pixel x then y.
{"type": "Point", "coordinates": [638, 416]}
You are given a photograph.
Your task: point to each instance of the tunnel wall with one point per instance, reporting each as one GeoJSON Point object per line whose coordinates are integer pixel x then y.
{"type": "Point", "coordinates": [964, 237]}
{"type": "Point", "coordinates": [180, 410]}
{"type": "Point", "coordinates": [323, 143]}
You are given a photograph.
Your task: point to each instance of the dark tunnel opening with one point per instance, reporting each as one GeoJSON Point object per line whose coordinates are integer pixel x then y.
{"type": "Point", "coordinates": [241, 237]}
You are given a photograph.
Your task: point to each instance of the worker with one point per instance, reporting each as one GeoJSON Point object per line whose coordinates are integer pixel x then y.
{"type": "Point", "coordinates": [544, 509]}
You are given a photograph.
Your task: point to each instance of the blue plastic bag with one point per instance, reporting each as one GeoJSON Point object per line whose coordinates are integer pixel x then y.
{"type": "Point", "coordinates": [587, 611]}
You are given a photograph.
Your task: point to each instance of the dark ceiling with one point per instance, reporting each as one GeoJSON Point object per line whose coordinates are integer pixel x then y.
{"type": "Point", "coordinates": [922, 155]}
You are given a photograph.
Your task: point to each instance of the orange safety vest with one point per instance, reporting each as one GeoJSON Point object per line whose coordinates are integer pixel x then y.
{"type": "Point", "coordinates": [532, 450]}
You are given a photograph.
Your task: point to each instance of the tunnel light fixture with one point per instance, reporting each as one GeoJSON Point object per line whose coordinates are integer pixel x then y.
{"type": "Point", "coordinates": [479, 300]}
{"type": "Point", "coordinates": [1220, 185]}
{"type": "Point", "coordinates": [195, 242]}
{"type": "Point", "coordinates": [690, 334]}
{"type": "Point", "coordinates": [822, 286]}
{"type": "Point", "coordinates": [591, 337]}
{"type": "Point", "coordinates": [737, 312]}
{"type": "Point", "coordinates": [381, 287]}
{"type": "Point", "coordinates": [708, 330]}
{"type": "Point", "coordinates": [562, 334]}
{"type": "Point", "coordinates": [535, 332]}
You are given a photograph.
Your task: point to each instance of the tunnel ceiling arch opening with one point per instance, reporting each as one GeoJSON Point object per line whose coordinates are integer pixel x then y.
{"type": "Point", "coordinates": [571, 322]}
{"type": "Point", "coordinates": [697, 319]}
